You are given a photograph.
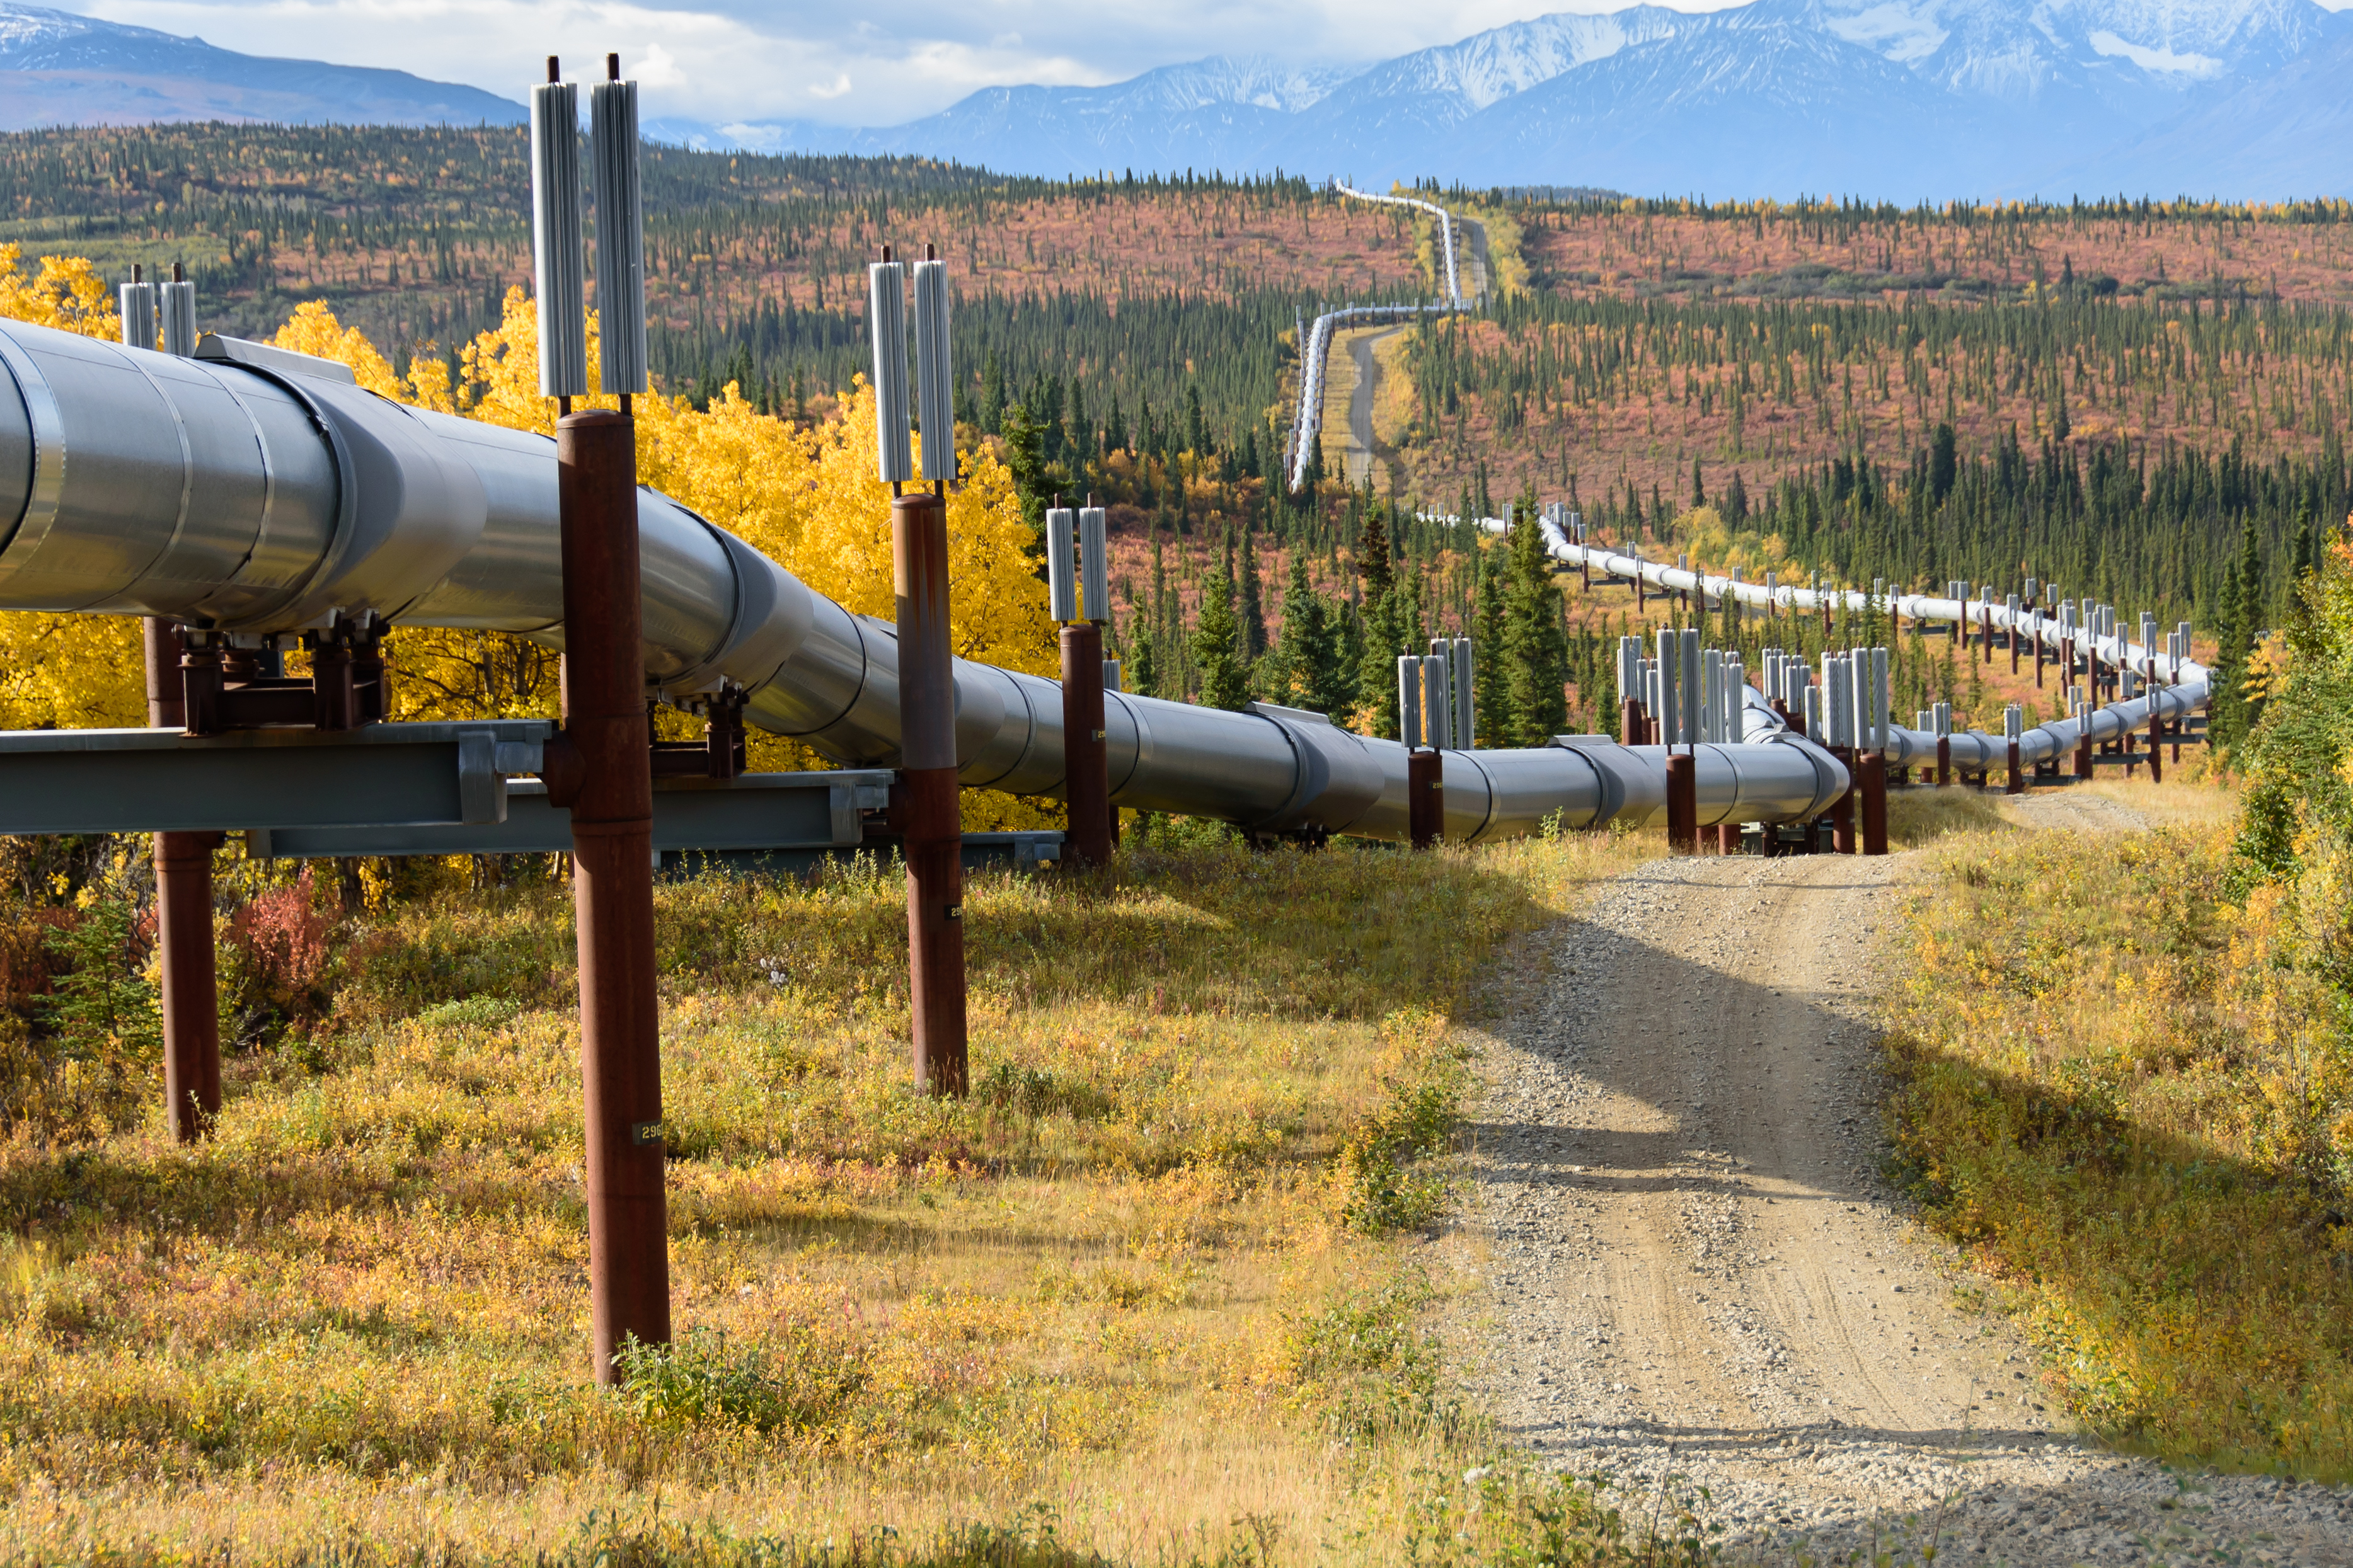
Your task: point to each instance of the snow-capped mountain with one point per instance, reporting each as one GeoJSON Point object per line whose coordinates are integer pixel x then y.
{"type": "Point", "coordinates": [2139, 57]}
{"type": "Point", "coordinates": [1899, 99]}
{"type": "Point", "coordinates": [58, 68]}
{"type": "Point", "coordinates": [1895, 98]}
{"type": "Point", "coordinates": [1741, 102]}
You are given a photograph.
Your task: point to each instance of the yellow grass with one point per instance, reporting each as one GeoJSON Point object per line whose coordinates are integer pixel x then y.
{"type": "Point", "coordinates": [1149, 1292]}
{"type": "Point", "coordinates": [2124, 1090]}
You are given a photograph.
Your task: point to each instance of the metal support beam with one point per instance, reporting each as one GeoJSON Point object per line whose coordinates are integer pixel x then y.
{"type": "Point", "coordinates": [1871, 784]}
{"type": "Point", "coordinates": [159, 780]}
{"type": "Point", "coordinates": [931, 821]}
{"type": "Point", "coordinates": [1425, 783]}
{"type": "Point", "coordinates": [1086, 756]}
{"type": "Point", "coordinates": [756, 811]}
{"type": "Point", "coordinates": [604, 722]}
{"type": "Point", "coordinates": [183, 928]}
{"type": "Point", "coordinates": [1682, 803]}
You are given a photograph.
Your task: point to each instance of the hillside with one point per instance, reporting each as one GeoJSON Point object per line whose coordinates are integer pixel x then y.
{"type": "Point", "coordinates": [1797, 360]}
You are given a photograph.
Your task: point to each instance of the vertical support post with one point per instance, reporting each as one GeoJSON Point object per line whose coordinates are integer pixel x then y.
{"type": "Point", "coordinates": [1425, 783]}
{"type": "Point", "coordinates": [1682, 803]}
{"type": "Point", "coordinates": [1085, 755]}
{"type": "Point", "coordinates": [612, 882]}
{"type": "Point", "coordinates": [1842, 809]}
{"type": "Point", "coordinates": [1871, 779]}
{"type": "Point", "coordinates": [2084, 744]}
{"type": "Point", "coordinates": [2156, 740]}
{"type": "Point", "coordinates": [1944, 761]}
{"type": "Point", "coordinates": [935, 828]}
{"type": "Point", "coordinates": [1727, 839]}
{"type": "Point", "coordinates": [1630, 722]}
{"type": "Point", "coordinates": [2015, 784]}
{"type": "Point", "coordinates": [184, 926]}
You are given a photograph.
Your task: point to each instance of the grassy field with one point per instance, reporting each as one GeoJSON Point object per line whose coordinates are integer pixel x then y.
{"type": "Point", "coordinates": [1151, 1293]}
{"type": "Point", "coordinates": [2124, 1092]}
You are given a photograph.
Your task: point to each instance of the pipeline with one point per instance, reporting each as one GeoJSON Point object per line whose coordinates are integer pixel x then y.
{"type": "Point", "coordinates": [257, 492]}
{"type": "Point", "coordinates": [1317, 342]}
{"type": "Point", "coordinates": [2177, 685]}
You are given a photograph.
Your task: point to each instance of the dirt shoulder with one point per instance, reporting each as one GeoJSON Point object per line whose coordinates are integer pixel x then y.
{"type": "Point", "coordinates": [1693, 1266]}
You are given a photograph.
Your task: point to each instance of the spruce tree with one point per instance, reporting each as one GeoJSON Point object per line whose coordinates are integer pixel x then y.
{"type": "Point", "coordinates": [1535, 650]}
{"type": "Point", "coordinates": [1253, 609]}
{"type": "Point", "coordinates": [1217, 653]}
{"type": "Point", "coordinates": [2239, 627]}
{"type": "Point", "coordinates": [1025, 459]}
{"type": "Point", "coordinates": [1491, 708]}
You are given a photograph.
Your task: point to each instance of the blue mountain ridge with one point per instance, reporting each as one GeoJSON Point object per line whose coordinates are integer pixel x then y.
{"type": "Point", "coordinates": [1899, 100]}
{"type": "Point", "coordinates": [59, 68]}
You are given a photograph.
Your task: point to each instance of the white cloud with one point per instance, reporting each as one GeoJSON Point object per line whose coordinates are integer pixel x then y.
{"type": "Point", "coordinates": [877, 63]}
{"type": "Point", "coordinates": [658, 68]}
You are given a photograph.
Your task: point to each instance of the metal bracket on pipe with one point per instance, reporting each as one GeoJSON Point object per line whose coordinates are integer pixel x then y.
{"type": "Point", "coordinates": [162, 781]}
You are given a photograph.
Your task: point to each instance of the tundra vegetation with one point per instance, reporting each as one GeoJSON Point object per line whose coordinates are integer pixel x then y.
{"type": "Point", "coordinates": [2125, 1081]}
{"type": "Point", "coordinates": [1153, 1291]}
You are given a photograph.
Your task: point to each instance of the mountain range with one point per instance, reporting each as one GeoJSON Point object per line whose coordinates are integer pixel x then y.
{"type": "Point", "coordinates": [1892, 100]}
{"type": "Point", "coordinates": [1897, 99]}
{"type": "Point", "coordinates": [58, 68]}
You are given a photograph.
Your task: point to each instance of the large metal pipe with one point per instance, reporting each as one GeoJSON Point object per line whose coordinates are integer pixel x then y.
{"type": "Point", "coordinates": [1909, 748]}
{"type": "Point", "coordinates": [256, 490]}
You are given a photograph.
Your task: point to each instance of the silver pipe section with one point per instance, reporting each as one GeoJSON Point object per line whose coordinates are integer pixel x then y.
{"type": "Point", "coordinates": [2171, 683]}
{"type": "Point", "coordinates": [261, 492]}
{"type": "Point", "coordinates": [1318, 340]}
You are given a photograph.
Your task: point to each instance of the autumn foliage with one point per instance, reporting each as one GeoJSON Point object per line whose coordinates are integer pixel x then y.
{"type": "Point", "coordinates": [807, 496]}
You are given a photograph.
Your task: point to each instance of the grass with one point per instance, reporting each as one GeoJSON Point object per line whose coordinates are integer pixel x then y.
{"type": "Point", "coordinates": [2124, 1091]}
{"type": "Point", "coordinates": [1148, 1293]}
{"type": "Point", "coordinates": [1922, 816]}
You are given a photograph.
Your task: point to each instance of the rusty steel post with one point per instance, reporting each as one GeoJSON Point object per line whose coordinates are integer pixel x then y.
{"type": "Point", "coordinates": [1944, 761]}
{"type": "Point", "coordinates": [1870, 773]}
{"type": "Point", "coordinates": [607, 726]}
{"type": "Point", "coordinates": [1629, 722]}
{"type": "Point", "coordinates": [2015, 784]}
{"type": "Point", "coordinates": [1842, 809]}
{"type": "Point", "coordinates": [1425, 806]}
{"type": "Point", "coordinates": [1682, 803]}
{"type": "Point", "coordinates": [1086, 757]}
{"type": "Point", "coordinates": [927, 769]}
{"type": "Point", "coordinates": [2084, 750]}
{"type": "Point", "coordinates": [184, 925]}
{"type": "Point", "coordinates": [2155, 743]}
{"type": "Point", "coordinates": [1727, 839]}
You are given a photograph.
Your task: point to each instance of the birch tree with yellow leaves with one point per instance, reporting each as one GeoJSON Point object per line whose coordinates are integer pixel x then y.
{"type": "Point", "coordinates": [806, 497]}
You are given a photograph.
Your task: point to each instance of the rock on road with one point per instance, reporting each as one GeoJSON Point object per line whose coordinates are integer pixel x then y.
{"type": "Point", "coordinates": [1694, 1267]}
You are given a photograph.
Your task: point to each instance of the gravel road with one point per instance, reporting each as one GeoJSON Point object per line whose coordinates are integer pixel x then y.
{"type": "Point", "coordinates": [1694, 1270]}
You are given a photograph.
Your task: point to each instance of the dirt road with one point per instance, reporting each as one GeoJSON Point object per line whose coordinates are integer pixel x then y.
{"type": "Point", "coordinates": [1695, 1267]}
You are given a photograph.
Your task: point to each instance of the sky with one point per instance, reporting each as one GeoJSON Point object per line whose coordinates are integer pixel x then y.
{"type": "Point", "coordinates": [877, 62]}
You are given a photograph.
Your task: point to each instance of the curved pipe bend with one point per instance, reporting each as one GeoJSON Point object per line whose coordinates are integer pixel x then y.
{"type": "Point", "coordinates": [264, 500]}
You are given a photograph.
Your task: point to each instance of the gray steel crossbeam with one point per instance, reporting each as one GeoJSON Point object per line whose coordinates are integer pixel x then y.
{"type": "Point", "coordinates": [161, 780]}
{"type": "Point", "coordinates": [756, 811]}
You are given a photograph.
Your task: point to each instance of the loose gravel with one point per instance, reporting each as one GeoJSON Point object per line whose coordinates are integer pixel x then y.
{"type": "Point", "coordinates": [1697, 1279]}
